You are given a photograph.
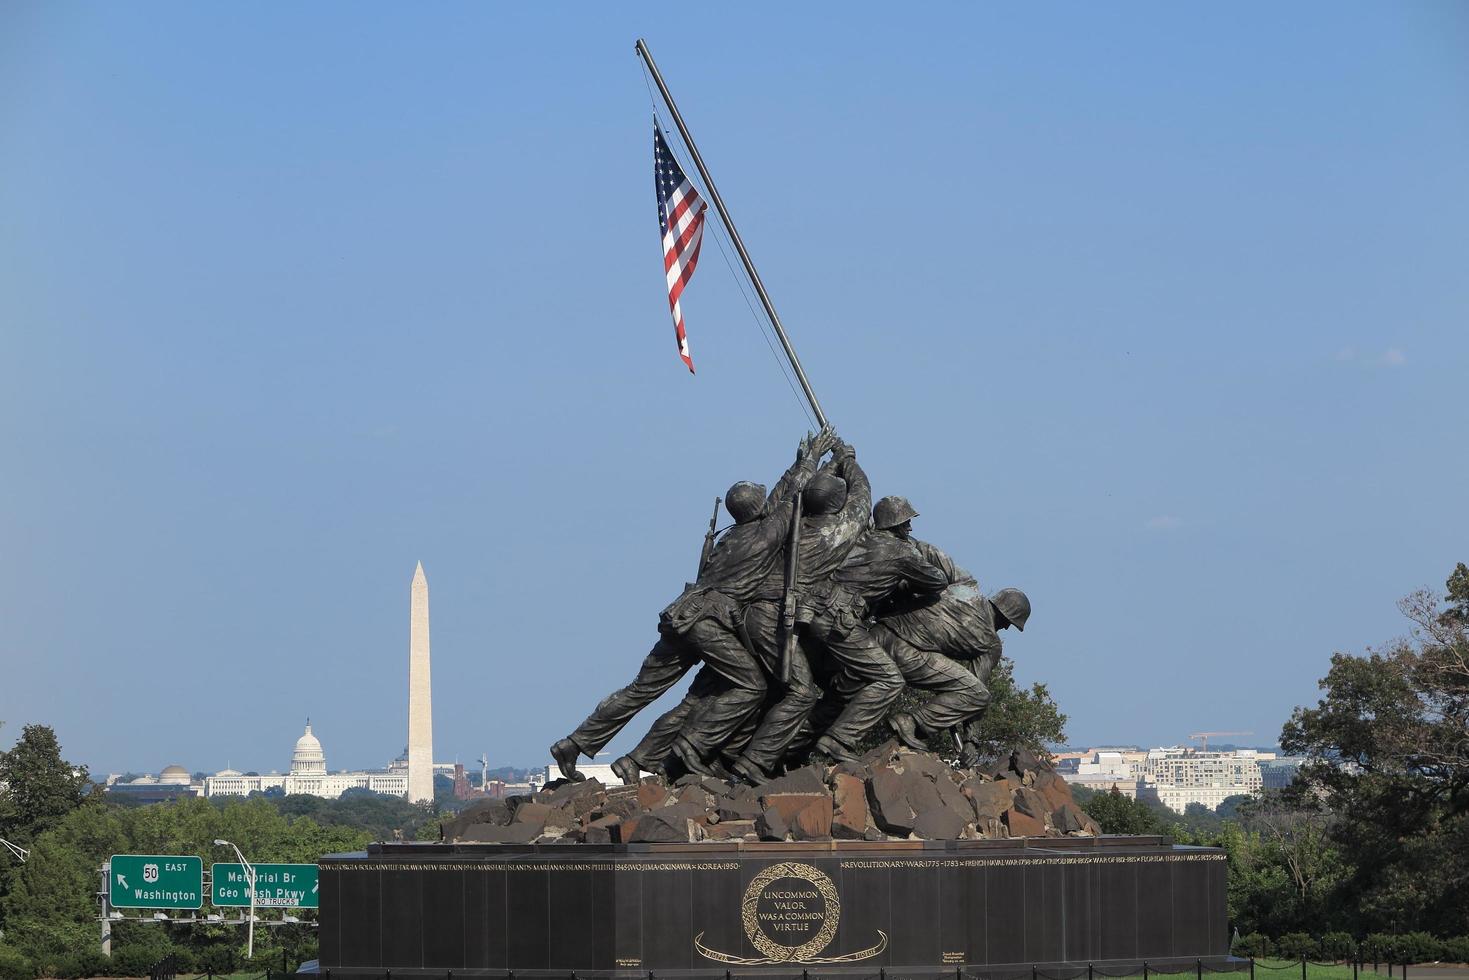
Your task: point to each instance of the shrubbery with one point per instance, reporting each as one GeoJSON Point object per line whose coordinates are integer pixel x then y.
{"type": "Point", "coordinates": [1413, 947]}
{"type": "Point", "coordinates": [1456, 950]}
{"type": "Point", "coordinates": [1295, 946]}
{"type": "Point", "coordinates": [1337, 946]}
{"type": "Point", "coordinates": [1255, 944]}
{"type": "Point", "coordinates": [14, 965]}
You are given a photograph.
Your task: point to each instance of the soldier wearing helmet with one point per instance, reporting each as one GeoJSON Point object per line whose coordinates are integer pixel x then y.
{"type": "Point", "coordinates": [867, 681]}
{"type": "Point", "coordinates": [947, 646]}
{"type": "Point", "coordinates": [704, 622]}
{"type": "Point", "coordinates": [834, 514]}
{"type": "Point", "coordinates": [894, 514]}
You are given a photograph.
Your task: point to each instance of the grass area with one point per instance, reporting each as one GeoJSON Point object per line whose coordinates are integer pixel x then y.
{"type": "Point", "coordinates": [1272, 969]}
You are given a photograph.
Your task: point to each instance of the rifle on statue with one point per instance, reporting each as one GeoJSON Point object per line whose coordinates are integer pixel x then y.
{"type": "Point", "coordinates": [790, 598]}
{"type": "Point", "coordinates": [709, 537]}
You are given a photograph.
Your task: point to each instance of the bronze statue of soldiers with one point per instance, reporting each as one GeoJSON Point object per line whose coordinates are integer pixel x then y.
{"type": "Point", "coordinates": [834, 514]}
{"type": "Point", "coordinates": [1006, 608]}
{"type": "Point", "coordinates": [834, 616]}
{"type": "Point", "coordinates": [704, 622]}
{"type": "Point", "coordinates": [947, 645]}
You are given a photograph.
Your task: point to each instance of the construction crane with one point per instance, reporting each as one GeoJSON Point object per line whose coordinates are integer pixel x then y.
{"type": "Point", "coordinates": [20, 852]}
{"type": "Point", "coordinates": [1205, 736]}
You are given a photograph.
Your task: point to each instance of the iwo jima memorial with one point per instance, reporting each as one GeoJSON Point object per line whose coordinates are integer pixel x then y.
{"type": "Point", "coordinates": [789, 816]}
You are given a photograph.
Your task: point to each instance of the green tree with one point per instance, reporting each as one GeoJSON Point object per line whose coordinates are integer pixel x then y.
{"type": "Point", "coordinates": [1019, 717]}
{"type": "Point", "coordinates": [1118, 814]}
{"type": "Point", "coordinates": [1387, 752]}
{"type": "Point", "coordinates": [41, 787]}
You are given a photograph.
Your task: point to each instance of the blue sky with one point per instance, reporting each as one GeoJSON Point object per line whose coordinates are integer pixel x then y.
{"type": "Point", "coordinates": [1158, 313]}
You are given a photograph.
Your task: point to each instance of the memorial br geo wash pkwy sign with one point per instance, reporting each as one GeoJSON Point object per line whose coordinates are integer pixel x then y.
{"type": "Point", "coordinates": [278, 886]}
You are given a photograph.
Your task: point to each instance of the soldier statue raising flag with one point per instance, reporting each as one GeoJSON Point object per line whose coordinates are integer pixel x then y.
{"type": "Point", "coordinates": [813, 611]}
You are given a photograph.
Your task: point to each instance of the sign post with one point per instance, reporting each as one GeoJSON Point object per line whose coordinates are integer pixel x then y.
{"type": "Point", "coordinates": [155, 881]}
{"type": "Point", "coordinates": [277, 886]}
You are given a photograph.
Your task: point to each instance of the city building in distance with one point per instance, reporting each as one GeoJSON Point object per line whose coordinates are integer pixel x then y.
{"type": "Point", "coordinates": [170, 784]}
{"type": "Point", "coordinates": [1177, 776]}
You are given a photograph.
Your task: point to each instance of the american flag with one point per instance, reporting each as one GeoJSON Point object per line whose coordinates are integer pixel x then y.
{"type": "Point", "coordinates": [681, 223]}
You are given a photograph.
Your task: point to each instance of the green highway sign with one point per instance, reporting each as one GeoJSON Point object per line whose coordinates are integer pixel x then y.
{"type": "Point", "coordinates": [155, 881]}
{"type": "Point", "coordinates": [277, 886]}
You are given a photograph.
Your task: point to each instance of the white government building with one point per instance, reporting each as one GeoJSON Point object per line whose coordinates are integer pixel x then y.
{"type": "Point", "coordinates": [309, 775]}
{"type": "Point", "coordinates": [1174, 776]}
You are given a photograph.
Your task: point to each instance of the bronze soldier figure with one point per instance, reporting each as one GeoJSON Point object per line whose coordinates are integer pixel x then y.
{"type": "Point", "coordinates": [1006, 608]}
{"type": "Point", "coordinates": [834, 614]}
{"type": "Point", "coordinates": [928, 637]}
{"type": "Point", "coordinates": [834, 515]}
{"type": "Point", "coordinates": [703, 623]}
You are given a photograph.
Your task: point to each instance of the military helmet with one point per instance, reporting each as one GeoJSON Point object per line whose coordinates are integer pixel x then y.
{"type": "Point", "coordinates": [745, 501]}
{"type": "Point", "coordinates": [825, 494]}
{"type": "Point", "coordinates": [1014, 605]}
{"type": "Point", "coordinates": [892, 511]}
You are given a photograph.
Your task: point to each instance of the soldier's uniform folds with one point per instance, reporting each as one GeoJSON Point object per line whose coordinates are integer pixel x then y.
{"type": "Point", "coordinates": [939, 643]}
{"type": "Point", "coordinates": [835, 616]}
{"type": "Point", "coordinates": [824, 542]}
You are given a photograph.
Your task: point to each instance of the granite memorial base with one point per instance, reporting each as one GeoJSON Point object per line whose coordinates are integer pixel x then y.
{"type": "Point", "coordinates": [989, 907]}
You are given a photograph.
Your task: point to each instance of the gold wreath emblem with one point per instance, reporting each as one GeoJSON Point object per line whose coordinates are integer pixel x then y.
{"type": "Point", "coordinates": [776, 952]}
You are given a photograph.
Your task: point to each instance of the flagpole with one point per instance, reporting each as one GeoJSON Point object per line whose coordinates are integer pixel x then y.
{"type": "Point", "coordinates": [734, 234]}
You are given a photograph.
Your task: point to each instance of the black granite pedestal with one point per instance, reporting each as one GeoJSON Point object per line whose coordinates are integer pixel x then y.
{"type": "Point", "coordinates": [1003, 907]}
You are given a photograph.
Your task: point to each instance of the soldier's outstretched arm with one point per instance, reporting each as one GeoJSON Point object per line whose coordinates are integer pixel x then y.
{"type": "Point", "coordinates": [921, 576]}
{"type": "Point", "coordinates": [936, 557]}
{"type": "Point", "coordinates": [859, 489]}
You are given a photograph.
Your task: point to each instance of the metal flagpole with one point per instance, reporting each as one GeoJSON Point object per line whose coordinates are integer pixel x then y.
{"type": "Point", "coordinates": [647, 56]}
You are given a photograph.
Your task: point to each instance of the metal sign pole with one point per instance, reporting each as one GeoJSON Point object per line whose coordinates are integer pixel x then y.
{"type": "Point", "coordinates": [106, 914]}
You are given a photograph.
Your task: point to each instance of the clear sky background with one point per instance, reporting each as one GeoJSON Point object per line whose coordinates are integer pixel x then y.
{"type": "Point", "coordinates": [1156, 312]}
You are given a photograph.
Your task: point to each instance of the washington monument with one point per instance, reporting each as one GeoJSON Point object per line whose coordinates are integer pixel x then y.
{"type": "Point", "coordinates": [420, 695]}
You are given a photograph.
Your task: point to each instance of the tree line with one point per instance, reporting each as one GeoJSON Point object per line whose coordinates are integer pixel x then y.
{"type": "Point", "coordinates": [1368, 849]}
{"type": "Point", "coordinates": [49, 905]}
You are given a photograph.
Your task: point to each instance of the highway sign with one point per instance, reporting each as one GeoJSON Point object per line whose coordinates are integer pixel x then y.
{"type": "Point", "coordinates": [277, 886]}
{"type": "Point", "coordinates": [155, 881]}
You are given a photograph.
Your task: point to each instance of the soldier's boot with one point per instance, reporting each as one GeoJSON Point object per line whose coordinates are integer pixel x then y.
{"type": "Point", "coordinates": [830, 748]}
{"type": "Point", "coordinates": [565, 752]}
{"type": "Point", "coordinates": [969, 756]}
{"type": "Point", "coordinates": [748, 772]}
{"type": "Point", "coordinates": [685, 754]}
{"type": "Point", "coordinates": [720, 767]}
{"type": "Point", "coordinates": [907, 730]}
{"type": "Point", "coordinates": [627, 770]}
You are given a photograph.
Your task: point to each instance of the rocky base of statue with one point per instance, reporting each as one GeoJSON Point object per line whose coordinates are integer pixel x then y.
{"type": "Point", "coordinates": [893, 793]}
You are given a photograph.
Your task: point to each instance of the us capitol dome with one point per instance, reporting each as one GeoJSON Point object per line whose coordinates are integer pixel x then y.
{"type": "Point", "coordinates": [308, 759]}
{"type": "Point", "coordinates": [308, 775]}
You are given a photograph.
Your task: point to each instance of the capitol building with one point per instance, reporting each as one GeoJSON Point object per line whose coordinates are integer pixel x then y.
{"type": "Point", "coordinates": [309, 776]}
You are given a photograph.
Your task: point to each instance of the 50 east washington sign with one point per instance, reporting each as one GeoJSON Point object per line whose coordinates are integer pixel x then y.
{"type": "Point", "coordinates": [278, 886]}
{"type": "Point", "coordinates": [155, 881]}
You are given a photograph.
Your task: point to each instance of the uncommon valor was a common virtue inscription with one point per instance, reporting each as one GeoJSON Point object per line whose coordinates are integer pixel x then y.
{"type": "Point", "coordinates": [790, 913]}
